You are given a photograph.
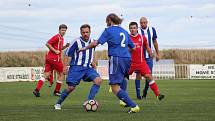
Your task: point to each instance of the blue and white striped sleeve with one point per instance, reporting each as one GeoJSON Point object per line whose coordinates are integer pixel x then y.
{"type": "Point", "coordinates": [154, 37]}
{"type": "Point", "coordinates": [71, 49]}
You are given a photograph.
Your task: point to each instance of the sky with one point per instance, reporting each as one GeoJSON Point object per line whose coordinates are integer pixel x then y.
{"type": "Point", "coordinates": [28, 24]}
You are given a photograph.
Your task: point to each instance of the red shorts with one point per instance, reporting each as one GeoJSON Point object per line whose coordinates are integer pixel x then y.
{"type": "Point", "coordinates": [51, 65]}
{"type": "Point", "coordinates": [141, 68]}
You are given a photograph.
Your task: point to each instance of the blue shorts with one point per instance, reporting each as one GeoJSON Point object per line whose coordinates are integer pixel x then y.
{"type": "Point", "coordinates": [149, 62]}
{"type": "Point", "coordinates": [118, 69]}
{"type": "Point", "coordinates": [78, 73]}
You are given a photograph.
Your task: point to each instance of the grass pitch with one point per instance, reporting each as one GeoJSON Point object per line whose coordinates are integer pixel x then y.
{"type": "Point", "coordinates": [186, 100]}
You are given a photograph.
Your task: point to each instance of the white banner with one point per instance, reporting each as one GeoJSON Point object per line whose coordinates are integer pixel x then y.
{"type": "Point", "coordinates": [202, 71]}
{"type": "Point", "coordinates": [20, 74]}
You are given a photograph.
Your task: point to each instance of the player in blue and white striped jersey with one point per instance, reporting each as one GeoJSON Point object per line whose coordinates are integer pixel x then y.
{"type": "Point", "coordinates": [81, 66]}
{"type": "Point", "coordinates": [151, 36]}
{"type": "Point", "coordinates": [84, 58]}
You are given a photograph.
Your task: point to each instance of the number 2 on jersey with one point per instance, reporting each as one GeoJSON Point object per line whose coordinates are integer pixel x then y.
{"type": "Point", "coordinates": [123, 39]}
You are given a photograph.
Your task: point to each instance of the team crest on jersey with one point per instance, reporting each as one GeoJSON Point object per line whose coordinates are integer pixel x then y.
{"type": "Point", "coordinates": [139, 39]}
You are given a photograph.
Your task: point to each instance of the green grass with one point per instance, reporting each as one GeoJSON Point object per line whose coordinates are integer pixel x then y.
{"type": "Point", "coordinates": [186, 100]}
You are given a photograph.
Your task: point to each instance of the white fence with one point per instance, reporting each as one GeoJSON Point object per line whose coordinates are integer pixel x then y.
{"type": "Point", "coordinates": [164, 69]}
{"type": "Point", "coordinates": [167, 70]}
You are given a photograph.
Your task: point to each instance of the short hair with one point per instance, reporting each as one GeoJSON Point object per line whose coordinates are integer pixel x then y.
{"type": "Point", "coordinates": [85, 26]}
{"type": "Point", "coordinates": [144, 18]}
{"type": "Point", "coordinates": [133, 23]}
{"type": "Point", "coordinates": [62, 26]}
{"type": "Point", "coordinates": [114, 18]}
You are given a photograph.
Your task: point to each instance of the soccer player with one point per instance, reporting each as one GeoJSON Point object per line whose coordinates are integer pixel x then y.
{"type": "Point", "coordinates": [151, 37]}
{"type": "Point", "coordinates": [119, 57]}
{"type": "Point", "coordinates": [138, 62]}
{"type": "Point", "coordinates": [81, 66]}
{"type": "Point", "coordinates": [53, 61]}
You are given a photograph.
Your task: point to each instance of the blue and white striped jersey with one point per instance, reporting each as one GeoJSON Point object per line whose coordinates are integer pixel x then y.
{"type": "Point", "coordinates": [83, 58]}
{"type": "Point", "coordinates": [151, 36]}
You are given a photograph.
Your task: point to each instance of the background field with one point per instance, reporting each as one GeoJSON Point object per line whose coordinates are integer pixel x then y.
{"type": "Point", "coordinates": [181, 56]}
{"type": "Point", "coordinates": [186, 100]}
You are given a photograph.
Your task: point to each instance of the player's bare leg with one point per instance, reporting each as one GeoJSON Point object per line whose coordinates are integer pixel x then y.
{"type": "Point", "coordinates": [124, 84]}
{"type": "Point", "coordinates": [40, 83]}
{"type": "Point", "coordinates": [95, 88]}
{"type": "Point", "coordinates": [116, 90]}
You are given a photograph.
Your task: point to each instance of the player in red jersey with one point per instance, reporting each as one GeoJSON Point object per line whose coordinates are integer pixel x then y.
{"type": "Point", "coordinates": [53, 61]}
{"type": "Point", "coordinates": [138, 62]}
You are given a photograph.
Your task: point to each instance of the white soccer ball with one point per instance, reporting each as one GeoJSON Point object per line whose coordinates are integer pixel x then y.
{"type": "Point", "coordinates": [91, 105]}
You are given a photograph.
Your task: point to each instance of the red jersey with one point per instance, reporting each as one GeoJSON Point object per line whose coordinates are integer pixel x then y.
{"type": "Point", "coordinates": [140, 43]}
{"type": "Point", "coordinates": [57, 43]}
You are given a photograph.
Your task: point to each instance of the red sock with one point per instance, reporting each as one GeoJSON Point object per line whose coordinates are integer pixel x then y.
{"type": "Point", "coordinates": [58, 86]}
{"type": "Point", "coordinates": [154, 87]}
{"type": "Point", "coordinates": [39, 84]}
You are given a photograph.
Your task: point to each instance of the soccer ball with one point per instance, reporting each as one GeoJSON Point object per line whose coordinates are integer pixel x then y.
{"type": "Point", "coordinates": [91, 105]}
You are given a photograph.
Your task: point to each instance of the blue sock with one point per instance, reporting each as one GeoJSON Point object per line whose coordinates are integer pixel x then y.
{"type": "Point", "coordinates": [122, 95]}
{"type": "Point", "coordinates": [124, 84]}
{"type": "Point", "coordinates": [63, 96]}
{"type": "Point", "coordinates": [93, 91]}
{"type": "Point", "coordinates": [137, 84]}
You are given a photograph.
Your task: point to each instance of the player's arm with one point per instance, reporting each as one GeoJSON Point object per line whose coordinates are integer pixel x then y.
{"type": "Point", "coordinates": [156, 50]}
{"type": "Point", "coordinates": [69, 53]}
{"type": "Point", "coordinates": [91, 45]}
{"type": "Point", "coordinates": [65, 62]}
{"type": "Point", "coordinates": [102, 39]}
{"type": "Point", "coordinates": [155, 43]}
{"type": "Point", "coordinates": [93, 64]}
{"type": "Point", "coordinates": [131, 46]}
{"type": "Point", "coordinates": [65, 46]}
{"type": "Point", "coordinates": [130, 49]}
{"type": "Point", "coordinates": [52, 48]}
{"type": "Point", "coordinates": [49, 45]}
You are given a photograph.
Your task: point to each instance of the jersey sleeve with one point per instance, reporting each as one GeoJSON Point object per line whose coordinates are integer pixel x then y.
{"type": "Point", "coordinates": [154, 37]}
{"type": "Point", "coordinates": [53, 40]}
{"type": "Point", "coordinates": [103, 38]}
{"type": "Point", "coordinates": [130, 43]}
{"type": "Point", "coordinates": [71, 49]}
